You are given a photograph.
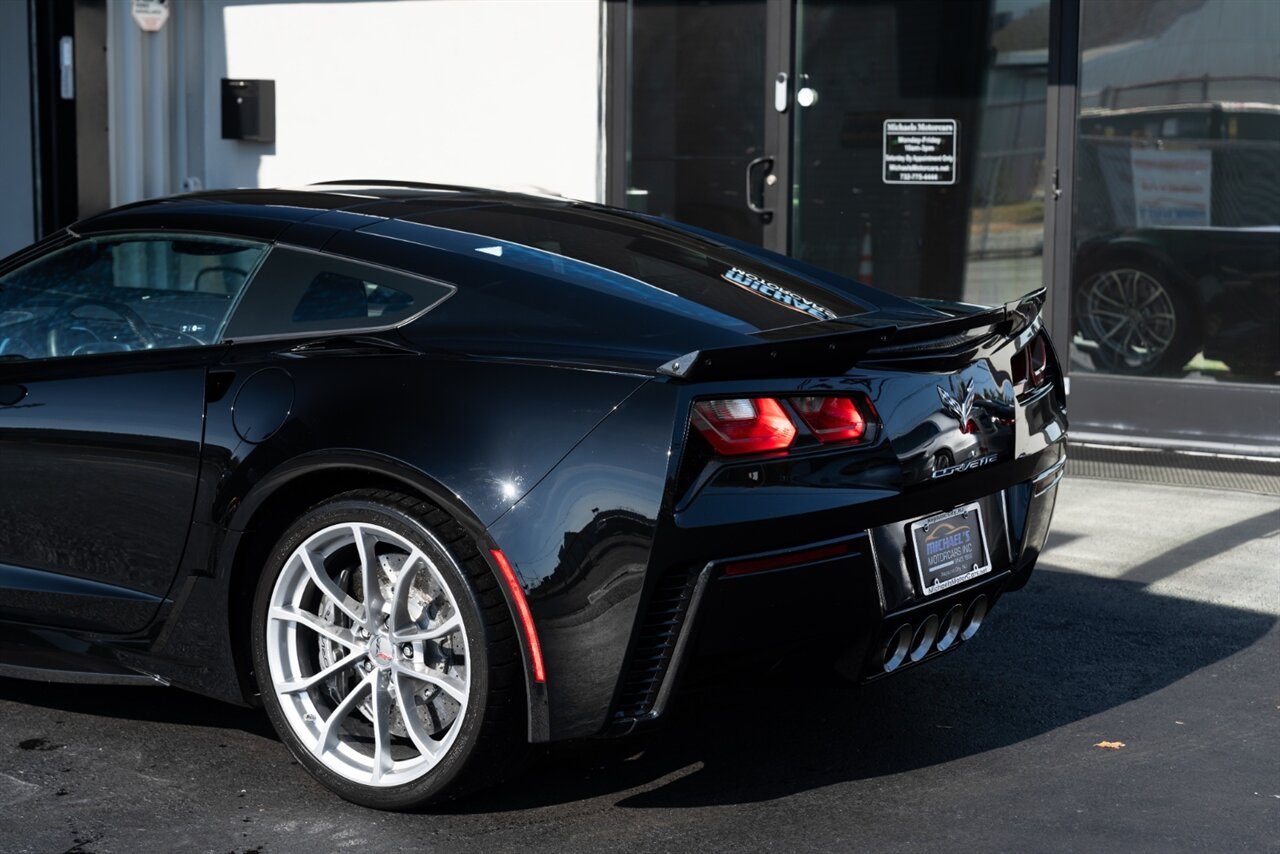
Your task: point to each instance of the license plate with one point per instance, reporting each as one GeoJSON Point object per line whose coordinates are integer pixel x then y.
{"type": "Point", "coordinates": [950, 548]}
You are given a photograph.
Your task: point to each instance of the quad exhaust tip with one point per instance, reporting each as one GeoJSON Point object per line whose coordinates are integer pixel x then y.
{"type": "Point", "coordinates": [973, 617]}
{"type": "Point", "coordinates": [924, 637]}
{"type": "Point", "coordinates": [934, 634]}
{"type": "Point", "coordinates": [897, 648]}
{"type": "Point", "coordinates": [951, 625]}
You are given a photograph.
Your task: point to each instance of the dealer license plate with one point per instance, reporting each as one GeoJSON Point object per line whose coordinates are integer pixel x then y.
{"type": "Point", "coordinates": [950, 548]}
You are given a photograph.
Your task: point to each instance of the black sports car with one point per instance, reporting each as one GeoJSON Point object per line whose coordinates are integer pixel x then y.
{"type": "Point", "coordinates": [432, 472]}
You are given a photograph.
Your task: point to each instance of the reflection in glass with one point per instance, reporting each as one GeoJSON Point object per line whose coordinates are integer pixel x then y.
{"type": "Point", "coordinates": [696, 119]}
{"type": "Point", "coordinates": [120, 294]}
{"type": "Point", "coordinates": [981, 63]}
{"type": "Point", "coordinates": [1177, 203]}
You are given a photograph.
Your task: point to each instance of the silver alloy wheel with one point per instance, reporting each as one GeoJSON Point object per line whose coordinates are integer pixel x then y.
{"type": "Point", "coordinates": [1130, 315]}
{"type": "Point", "coordinates": [368, 653]}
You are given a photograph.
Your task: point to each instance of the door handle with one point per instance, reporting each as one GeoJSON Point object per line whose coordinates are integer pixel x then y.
{"type": "Point", "coordinates": [767, 163]}
{"type": "Point", "coordinates": [67, 68]}
{"type": "Point", "coordinates": [12, 394]}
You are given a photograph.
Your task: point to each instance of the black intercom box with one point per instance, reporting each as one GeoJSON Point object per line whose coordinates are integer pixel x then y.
{"type": "Point", "coordinates": [249, 110]}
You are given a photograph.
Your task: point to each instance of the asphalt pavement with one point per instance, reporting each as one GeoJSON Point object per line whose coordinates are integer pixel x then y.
{"type": "Point", "coordinates": [1151, 624]}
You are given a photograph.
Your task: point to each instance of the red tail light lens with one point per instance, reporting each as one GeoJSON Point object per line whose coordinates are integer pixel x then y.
{"type": "Point", "coordinates": [1038, 353]}
{"type": "Point", "coordinates": [1030, 362]}
{"type": "Point", "coordinates": [832, 419]}
{"type": "Point", "coordinates": [743, 425]}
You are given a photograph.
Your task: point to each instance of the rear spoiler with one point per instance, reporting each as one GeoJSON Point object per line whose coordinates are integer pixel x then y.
{"type": "Point", "coordinates": [936, 345]}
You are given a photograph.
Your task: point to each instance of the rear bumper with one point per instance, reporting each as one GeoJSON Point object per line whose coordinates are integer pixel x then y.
{"type": "Point", "coordinates": [854, 608]}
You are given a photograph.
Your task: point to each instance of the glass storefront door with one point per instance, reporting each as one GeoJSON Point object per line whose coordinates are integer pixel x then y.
{"type": "Point", "coordinates": [918, 147]}
{"type": "Point", "coordinates": [696, 134]}
{"type": "Point", "coordinates": [705, 103]}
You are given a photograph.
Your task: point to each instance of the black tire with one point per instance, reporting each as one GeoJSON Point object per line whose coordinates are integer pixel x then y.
{"type": "Point", "coordinates": [490, 737]}
{"type": "Point", "coordinates": [1168, 345]}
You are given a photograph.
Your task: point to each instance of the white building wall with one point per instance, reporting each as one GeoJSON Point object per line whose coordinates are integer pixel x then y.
{"type": "Point", "coordinates": [502, 93]}
{"type": "Point", "coordinates": [486, 92]}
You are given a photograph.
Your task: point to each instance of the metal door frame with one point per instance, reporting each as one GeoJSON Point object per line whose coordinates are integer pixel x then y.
{"type": "Point", "coordinates": [1061, 114]}
{"type": "Point", "coordinates": [779, 58]}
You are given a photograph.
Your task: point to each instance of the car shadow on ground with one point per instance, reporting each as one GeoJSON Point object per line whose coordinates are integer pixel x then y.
{"type": "Point", "coordinates": [1065, 648]}
{"type": "Point", "coordinates": [137, 703]}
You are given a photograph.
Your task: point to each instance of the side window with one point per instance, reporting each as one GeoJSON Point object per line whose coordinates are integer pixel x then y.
{"type": "Point", "coordinates": [300, 292]}
{"type": "Point", "coordinates": [120, 294]}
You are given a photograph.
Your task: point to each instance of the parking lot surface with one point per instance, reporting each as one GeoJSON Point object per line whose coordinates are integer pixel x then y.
{"type": "Point", "coordinates": [1151, 623]}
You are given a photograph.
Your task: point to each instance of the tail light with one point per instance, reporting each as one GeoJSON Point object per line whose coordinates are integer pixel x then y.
{"type": "Point", "coordinates": [1030, 362]}
{"type": "Point", "coordinates": [752, 425]}
{"type": "Point", "coordinates": [832, 419]}
{"type": "Point", "coordinates": [1038, 353]}
{"type": "Point", "coordinates": [744, 425]}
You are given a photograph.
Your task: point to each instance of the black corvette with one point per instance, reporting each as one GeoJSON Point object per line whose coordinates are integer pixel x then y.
{"type": "Point", "coordinates": [433, 472]}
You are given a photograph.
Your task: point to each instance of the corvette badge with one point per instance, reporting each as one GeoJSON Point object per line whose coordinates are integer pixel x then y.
{"type": "Point", "coordinates": [962, 409]}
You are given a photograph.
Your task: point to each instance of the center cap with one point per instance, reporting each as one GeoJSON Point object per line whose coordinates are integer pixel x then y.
{"type": "Point", "coordinates": [380, 650]}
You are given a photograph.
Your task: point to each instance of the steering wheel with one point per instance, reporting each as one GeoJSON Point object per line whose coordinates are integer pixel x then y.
{"type": "Point", "coordinates": [137, 326]}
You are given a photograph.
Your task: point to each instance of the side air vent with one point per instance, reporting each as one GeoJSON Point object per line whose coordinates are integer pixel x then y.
{"type": "Point", "coordinates": [658, 633]}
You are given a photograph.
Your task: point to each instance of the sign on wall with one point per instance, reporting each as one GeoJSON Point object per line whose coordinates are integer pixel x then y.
{"type": "Point", "coordinates": [151, 14]}
{"type": "Point", "coordinates": [1171, 188]}
{"type": "Point", "coordinates": [919, 151]}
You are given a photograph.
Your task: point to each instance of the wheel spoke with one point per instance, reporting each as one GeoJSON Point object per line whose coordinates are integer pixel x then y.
{"type": "Point", "coordinates": [399, 595]}
{"type": "Point", "coordinates": [451, 685]}
{"type": "Point", "coordinates": [412, 723]}
{"type": "Point", "coordinates": [452, 624]}
{"type": "Point", "coordinates": [340, 713]}
{"type": "Point", "coordinates": [1156, 293]}
{"type": "Point", "coordinates": [382, 760]}
{"type": "Point", "coordinates": [373, 602]}
{"type": "Point", "coordinates": [345, 603]}
{"type": "Point", "coordinates": [1117, 288]}
{"type": "Point", "coordinates": [1130, 288]}
{"type": "Point", "coordinates": [1154, 338]}
{"type": "Point", "coordinates": [310, 682]}
{"type": "Point", "coordinates": [320, 626]}
{"type": "Point", "coordinates": [1100, 294]}
{"type": "Point", "coordinates": [1128, 336]}
{"type": "Point", "coordinates": [1109, 334]}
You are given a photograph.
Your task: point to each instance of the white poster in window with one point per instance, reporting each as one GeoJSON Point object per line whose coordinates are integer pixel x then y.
{"type": "Point", "coordinates": [1171, 188]}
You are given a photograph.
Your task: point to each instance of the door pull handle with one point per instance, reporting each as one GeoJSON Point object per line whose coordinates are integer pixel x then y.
{"type": "Point", "coordinates": [752, 194]}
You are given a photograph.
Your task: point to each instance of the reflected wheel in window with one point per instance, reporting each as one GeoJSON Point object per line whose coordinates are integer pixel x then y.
{"type": "Point", "coordinates": [1138, 318]}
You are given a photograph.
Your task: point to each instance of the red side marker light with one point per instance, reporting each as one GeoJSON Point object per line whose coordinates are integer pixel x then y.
{"type": "Point", "coordinates": [526, 616]}
{"type": "Point", "coordinates": [764, 564]}
{"type": "Point", "coordinates": [743, 425]}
